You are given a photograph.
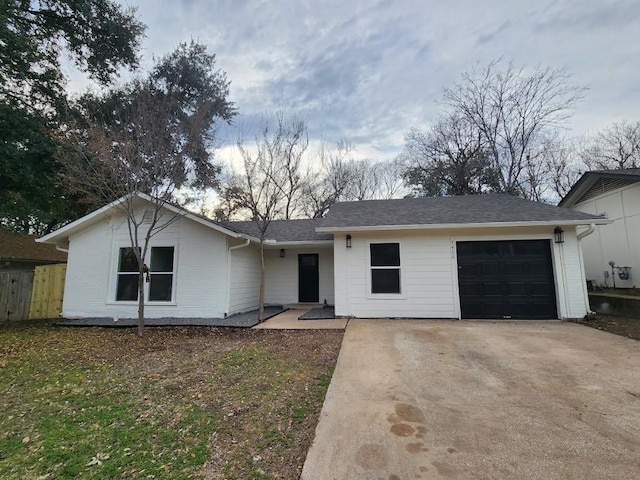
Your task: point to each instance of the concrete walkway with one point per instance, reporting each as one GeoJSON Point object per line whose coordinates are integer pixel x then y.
{"type": "Point", "coordinates": [289, 321]}
{"type": "Point", "coordinates": [484, 400]}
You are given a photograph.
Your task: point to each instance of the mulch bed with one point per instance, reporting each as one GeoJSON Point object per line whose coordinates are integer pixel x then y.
{"type": "Point", "coordinates": [240, 320]}
{"type": "Point", "coordinates": [624, 326]}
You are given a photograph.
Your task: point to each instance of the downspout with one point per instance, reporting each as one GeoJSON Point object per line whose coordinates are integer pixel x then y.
{"type": "Point", "coordinates": [565, 289]}
{"type": "Point", "coordinates": [587, 232]}
{"type": "Point", "coordinates": [60, 249]}
{"type": "Point", "coordinates": [348, 262]}
{"type": "Point", "coordinates": [242, 245]}
{"type": "Point", "coordinates": [580, 236]}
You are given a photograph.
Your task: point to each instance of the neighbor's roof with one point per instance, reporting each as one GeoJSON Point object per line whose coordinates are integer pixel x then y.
{"type": "Point", "coordinates": [24, 247]}
{"type": "Point", "coordinates": [597, 182]}
{"type": "Point", "coordinates": [284, 231]}
{"type": "Point", "coordinates": [458, 211]}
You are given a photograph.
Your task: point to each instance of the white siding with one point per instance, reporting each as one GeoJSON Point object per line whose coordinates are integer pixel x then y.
{"type": "Point", "coordinates": [429, 279]}
{"type": "Point", "coordinates": [200, 275]}
{"type": "Point", "coordinates": [282, 274]}
{"type": "Point", "coordinates": [571, 289]}
{"type": "Point", "coordinates": [618, 241]}
{"type": "Point", "coordinates": [426, 277]}
{"type": "Point", "coordinates": [341, 272]}
{"type": "Point", "coordinates": [244, 281]}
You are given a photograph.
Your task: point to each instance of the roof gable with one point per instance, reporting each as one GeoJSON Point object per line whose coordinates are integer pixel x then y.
{"type": "Point", "coordinates": [597, 182]}
{"type": "Point", "coordinates": [468, 210]}
{"type": "Point", "coordinates": [61, 235]}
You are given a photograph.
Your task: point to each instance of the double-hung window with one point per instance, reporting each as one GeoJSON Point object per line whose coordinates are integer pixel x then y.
{"type": "Point", "coordinates": [159, 287]}
{"type": "Point", "coordinates": [385, 267]}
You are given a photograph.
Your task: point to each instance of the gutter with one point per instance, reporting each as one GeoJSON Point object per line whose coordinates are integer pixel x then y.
{"type": "Point", "coordinates": [236, 247]}
{"type": "Point", "coordinates": [300, 243]}
{"type": "Point", "coordinates": [436, 226]}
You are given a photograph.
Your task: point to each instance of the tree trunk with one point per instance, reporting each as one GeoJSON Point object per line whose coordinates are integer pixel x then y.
{"type": "Point", "coordinates": [261, 294]}
{"type": "Point", "coordinates": [140, 304]}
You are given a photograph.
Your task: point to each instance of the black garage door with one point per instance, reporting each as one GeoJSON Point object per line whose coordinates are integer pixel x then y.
{"type": "Point", "coordinates": [506, 279]}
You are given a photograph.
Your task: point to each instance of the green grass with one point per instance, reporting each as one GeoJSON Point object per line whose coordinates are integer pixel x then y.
{"type": "Point", "coordinates": [102, 404]}
{"type": "Point", "coordinates": [71, 415]}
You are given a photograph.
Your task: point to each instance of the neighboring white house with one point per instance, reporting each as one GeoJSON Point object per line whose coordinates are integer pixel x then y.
{"type": "Point", "coordinates": [616, 195]}
{"type": "Point", "coordinates": [486, 256]}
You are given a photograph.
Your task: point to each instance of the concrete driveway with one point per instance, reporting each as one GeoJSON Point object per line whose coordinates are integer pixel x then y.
{"type": "Point", "coordinates": [415, 399]}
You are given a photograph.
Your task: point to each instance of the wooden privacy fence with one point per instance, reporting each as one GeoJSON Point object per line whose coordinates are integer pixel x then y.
{"type": "Point", "coordinates": [48, 290]}
{"type": "Point", "coordinates": [32, 295]}
{"type": "Point", "coordinates": [15, 295]}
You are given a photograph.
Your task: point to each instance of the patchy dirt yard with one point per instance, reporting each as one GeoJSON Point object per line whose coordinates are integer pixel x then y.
{"type": "Point", "coordinates": [197, 402]}
{"type": "Point", "coordinates": [624, 326]}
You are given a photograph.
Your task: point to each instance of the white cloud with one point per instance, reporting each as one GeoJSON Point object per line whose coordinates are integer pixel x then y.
{"type": "Point", "coordinates": [370, 71]}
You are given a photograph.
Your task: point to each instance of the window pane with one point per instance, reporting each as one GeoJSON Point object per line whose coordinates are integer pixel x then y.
{"type": "Point", "coordinates": [162, 259]}
{"type": "Point", "coordinates": [385, 254]}
{"type": "Point", "coordinates": [385, 280]}
{"type": "Point", "coordinates": [160, 288]}
{"type": "Point", "coordinates": [127, 261]}
{"type": "Point", "coordinates": [127, 287]}
{"type": "Point", "coordinates": [308, 260]}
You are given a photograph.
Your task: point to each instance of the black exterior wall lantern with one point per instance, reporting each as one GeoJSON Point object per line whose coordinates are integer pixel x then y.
{"type": "Point", "coordinates": [348, 241]}
{"type": "Point", "coordinates": [282, 253]}
{"type": "Point", "coordinates": [558, 234]}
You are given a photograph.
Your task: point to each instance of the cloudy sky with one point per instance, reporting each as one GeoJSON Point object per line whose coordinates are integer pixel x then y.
{"type": "Point", "coordinates": [368, 71]}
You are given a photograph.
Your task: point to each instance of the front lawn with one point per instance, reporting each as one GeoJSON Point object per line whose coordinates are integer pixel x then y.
{"type": "Point", "coordinates": [180, 403]}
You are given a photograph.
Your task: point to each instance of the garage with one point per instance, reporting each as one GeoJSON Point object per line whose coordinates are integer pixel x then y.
{"type": "Point", "coordinates": [506, 279]}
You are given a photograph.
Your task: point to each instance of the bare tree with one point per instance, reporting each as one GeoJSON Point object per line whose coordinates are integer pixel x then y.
{"type": "Point", "coordinates": [271, 182]}
{"type": "Point", "coordinates": [339, 177]}
{"type": "Point", "coordinates": [257, 190]}
{"type": "Point", "coordinates": [230, 197]}
{"type": "Point", "coordinates": [287, 143]}
{"type": "Point", "coordinates": [561, 167]}
{"type": "Point", "coordinates": [449, 158]}
{"type": "Point", "coordinates": [304, 185]}
{"type": "Point", "coordinates": [616, 147]}
{"type": "Point", "coordinates": [364, 181]}
{"type": "Point", "coordinates": [149, 139]}
{"type": "Point", "coordinates": [513, 109]}
{"type": "Point", "coordinates": [330, 182]}
{"type": "Point", "coordinates": [390, 183]}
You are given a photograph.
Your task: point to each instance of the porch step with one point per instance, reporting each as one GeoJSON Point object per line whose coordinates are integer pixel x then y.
{"type": "Point", "coordinates": [303, 306]}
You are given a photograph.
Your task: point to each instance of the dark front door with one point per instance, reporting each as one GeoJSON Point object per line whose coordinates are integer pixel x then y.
{"type": "Point", "coordinates": [506, 279]}
{"type": "Point", "coordinates": [308, 278]}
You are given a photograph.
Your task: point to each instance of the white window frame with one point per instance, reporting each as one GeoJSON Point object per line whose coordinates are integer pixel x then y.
{"type": "Point", "coordinates": [370, 268]}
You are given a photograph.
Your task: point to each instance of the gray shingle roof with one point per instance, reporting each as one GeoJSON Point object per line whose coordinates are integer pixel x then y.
{"type": "Point", "coordinates": [283, 230]}
{"type": "Point", "coordinates": [625, 172]}
{"type": "Point", "coordinates": [448, 210]}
